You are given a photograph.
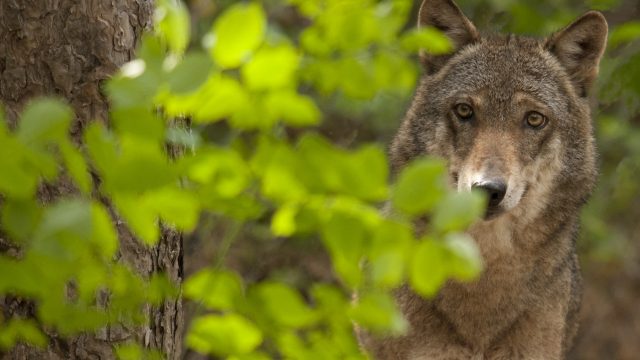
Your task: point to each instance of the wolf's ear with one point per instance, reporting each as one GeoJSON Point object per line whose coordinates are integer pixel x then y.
{"type": "Point", "coordinates": [579, 48]}
{"type": "Point", "coordinates": [445, 16]}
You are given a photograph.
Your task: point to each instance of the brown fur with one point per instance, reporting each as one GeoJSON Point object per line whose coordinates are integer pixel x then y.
{"type": "Point", "coordinates": [524, 304]}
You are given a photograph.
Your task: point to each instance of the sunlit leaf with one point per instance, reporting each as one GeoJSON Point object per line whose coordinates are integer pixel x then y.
{"type": "Point", "coordinates": [283, 221]}
{"type": "Point", "coordinates": [190, 73]}
{"type": "Point", "coordinates": [216, 289]}
{"type": "Point", "coordinates": [271, 68]}
{"type": "Point", "coordinates": [458, 210]}
{"type": "Point", "coordinates": [283, 304]}
{"type": "Point", "coordinates": [378, 312]}
{"type": "Point", "coordinates": [420, 186]}
{"type": "Point", "coordinates": [173, 23]}
{"type": "Point", "coordinates": [428, 268]}
{"type": "Point", "coordinates": [103, 233]}
{"type": "Point", "coordinates": [389, 253]}
{"type": "Point", "coordinates": [428, 39]}
{"type": "Point", "coordinates": [221, 98]}
{"type": "Point", "coordinates": [466, 263]}
{"type": "Point", "coordinates": [138, 121]}
{"type": "Point", "coordinates": [237, 33]}
{"type": "Point", "coordinates": [176, 207]}
{"type": "Point", "coordinates": [223, 335]}
{"type": "Point", "coordinates": [44, 120]}
{"type": "Point", "coordinates": [76, 166]}
{"type": "Point", "coordinates": [344, 236]}
{"type": "Point", "coordinates": [292, 108]}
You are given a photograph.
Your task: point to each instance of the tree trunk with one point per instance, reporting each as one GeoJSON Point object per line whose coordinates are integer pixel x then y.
{"type": "Point", "coordinates": [67, 48]}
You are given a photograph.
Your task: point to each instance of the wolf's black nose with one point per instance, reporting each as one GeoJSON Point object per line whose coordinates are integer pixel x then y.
{"type": "Point", "coordinates": [495, 190]}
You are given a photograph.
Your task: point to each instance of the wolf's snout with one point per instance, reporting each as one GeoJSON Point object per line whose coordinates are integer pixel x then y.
{"type": "Point", "coordinates": [495, 189]}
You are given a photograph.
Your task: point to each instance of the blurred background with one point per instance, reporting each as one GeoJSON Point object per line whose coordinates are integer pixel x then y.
{"type": "Point", "coordinates": [610, 235]}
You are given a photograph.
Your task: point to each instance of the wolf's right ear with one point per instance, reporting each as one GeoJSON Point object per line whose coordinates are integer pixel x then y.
{"type": "Point", "coordinates": [447, 17]}
{"type": "Point", "coordinates": [579, 48]}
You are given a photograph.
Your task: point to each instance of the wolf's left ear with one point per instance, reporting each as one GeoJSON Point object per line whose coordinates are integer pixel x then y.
{"type": "Point", "coordinates": [447, 17]}
{"type": "Point", "coordinates": [579, 48]}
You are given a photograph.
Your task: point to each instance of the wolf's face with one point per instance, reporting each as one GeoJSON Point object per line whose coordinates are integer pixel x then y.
{"type": "Point", "coordinates": [500, 107]}
{"type": "Point", "coordinates": [509, 114]}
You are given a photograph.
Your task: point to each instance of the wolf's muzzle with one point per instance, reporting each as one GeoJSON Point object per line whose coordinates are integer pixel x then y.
{"type": "Point", "coordinates": [495, 190]}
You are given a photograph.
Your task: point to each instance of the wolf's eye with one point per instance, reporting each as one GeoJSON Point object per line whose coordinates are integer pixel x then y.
{"type": "Point", "coordinates": [535, 120]}
{"type": "Point", "coordinates": [463, 111]}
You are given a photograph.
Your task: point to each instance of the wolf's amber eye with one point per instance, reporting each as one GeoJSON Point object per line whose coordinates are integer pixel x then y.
{"type": "Point", "coordinates": [464, 111]}
{"type": "Point", "coordinates": [535, 120]}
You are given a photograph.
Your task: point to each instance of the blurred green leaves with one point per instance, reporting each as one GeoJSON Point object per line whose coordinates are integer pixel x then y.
{"type": "Point", "coordinates": [626, 32]}
{"type": "Point", "coordinates": [230, 130]}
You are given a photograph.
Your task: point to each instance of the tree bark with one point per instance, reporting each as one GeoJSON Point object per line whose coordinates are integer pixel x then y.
{"type": "Point", "coordinates": [67, 48]}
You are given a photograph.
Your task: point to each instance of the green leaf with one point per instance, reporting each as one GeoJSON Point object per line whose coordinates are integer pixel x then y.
{"type": "Point", "coordinates": [44, 120]}
{"type": "Point", "coordinates": [428, 39]}
{"type": "Point", "coordinates": [237, 34]}
{"type": "Point", "coordinates": [173, 23]}
{"type": "Point", "coordinates": [190, 73]}
{"type": "Point", "coordinates": [138, 121]}
{"type": "Point", "coordinates": [177, 207]}
{"type": "Point", "coordinates": [466, 262]}
{"type": "Point", "coordinates": [20, 218]}
{"type": "Point", "coordinates": [344, 236]}
{"type": "Point", "coordinates": [221, 97]}
{"type": "Point", "coordinates": [19, 176]}
{"type": "Point", "coordinates": [66, 217]}
{"type": "Point", "coordinates": [283, 304]}
{"type": "Point", "coordinates": [220, 290]}
{"type": "Point", "coordinates": [283, 222]}
{"type": "Point", "coordinates": [389, 253]}
{"type": "Point", "coordinates": [141, 218]}
{"type": "Point", "coordinates": [141, 166]}
{"type": "Point", "coordinates": [327, 169]}
{"type": "Point", "coordinates": [103, 234]}
{"type": "Point", "coordinates": [222, 171]}
{"type": "Point", "coordinates": [136, 85]}
{"type": "Point", "coordinates": [21, 330]}
{"type": "Point", "coordinates": [136, 352]}
{"type": "Point", "coordinates": [378, 312]}
{"type": "Point", "coordinates": [292, 108]}
{"type": "Point", "coordinates": [272, 67]}
{"type": "Point", "coordinates": [101, 147]}
{"type": "Point", "coordinates": [459, 210]}
{"type": "Point", "coordinates": [428, 268]}
{"type": "Point", "coordinates": [367, 173]}
{"type": "Point", "coordinates": [420, 186]}
{"type": "Point", "coordinates": [71, 319]}
{"type": "Point", "coordinates": [435, 261]}
{"type": "Point", "coordinates": [76, 166]}
{"type": "Point", "coordinates": [223, 335]}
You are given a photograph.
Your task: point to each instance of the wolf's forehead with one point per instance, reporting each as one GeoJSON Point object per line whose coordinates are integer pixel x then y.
{"type": "Point", "coordinates": [504, 70]}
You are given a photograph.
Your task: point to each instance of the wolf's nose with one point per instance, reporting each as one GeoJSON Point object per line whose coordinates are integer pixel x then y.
{"type": "Point", "coordinates": [495, 190]}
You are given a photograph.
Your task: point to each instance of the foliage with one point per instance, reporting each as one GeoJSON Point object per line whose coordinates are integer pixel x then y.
{"type": "Point", "coordinates": [270, 88]}
{"type": "Point", "coordinates": [250, 75]}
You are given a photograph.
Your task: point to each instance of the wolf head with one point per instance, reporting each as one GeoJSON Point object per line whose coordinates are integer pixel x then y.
{"type": "Point", "coordinates": [510, 114]}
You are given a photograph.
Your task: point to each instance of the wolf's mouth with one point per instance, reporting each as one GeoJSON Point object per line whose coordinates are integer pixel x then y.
{"type": "Point", "coordinates": [493, 212]}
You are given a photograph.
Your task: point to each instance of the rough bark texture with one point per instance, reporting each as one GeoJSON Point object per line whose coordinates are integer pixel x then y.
{"type": "Point", "coordinates": [67, 48]}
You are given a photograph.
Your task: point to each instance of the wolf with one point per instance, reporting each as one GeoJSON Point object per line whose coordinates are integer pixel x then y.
{"type": "Point", "coordinates": [511, 117]}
